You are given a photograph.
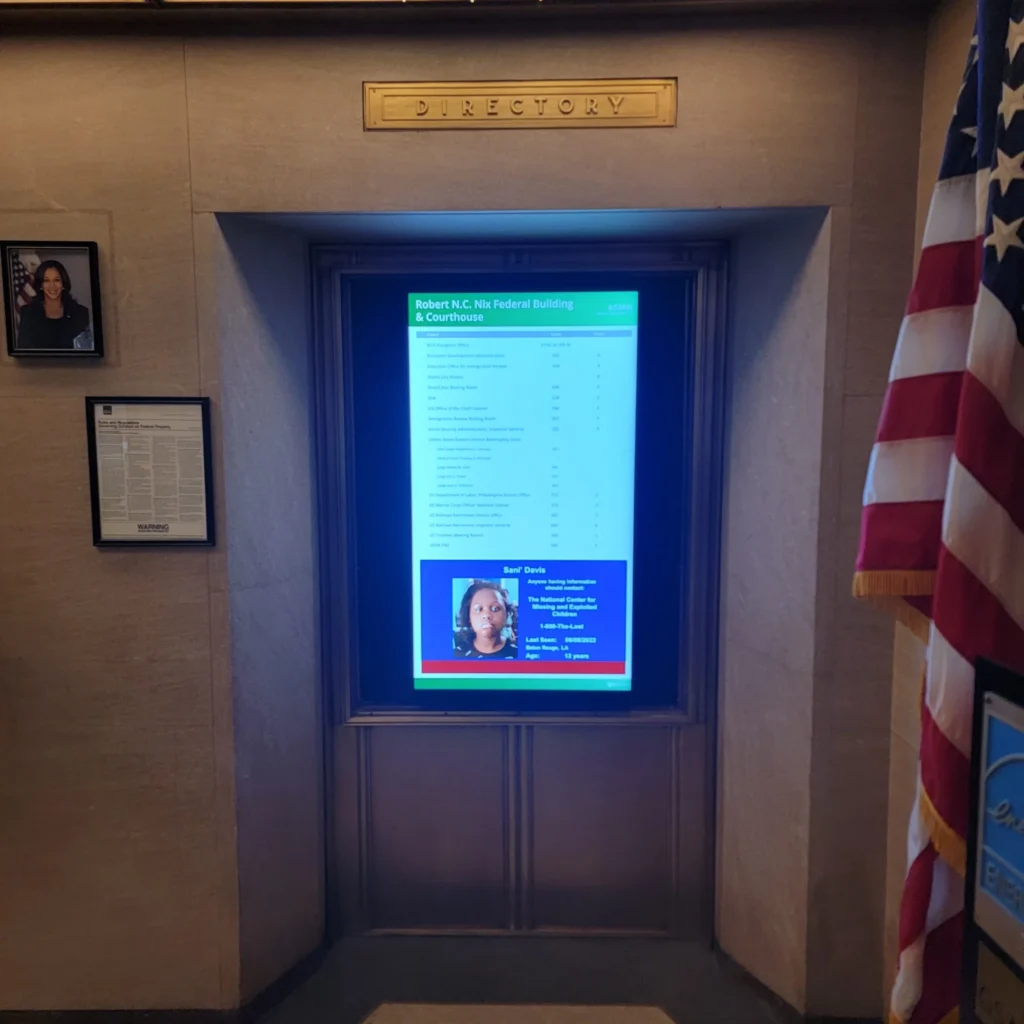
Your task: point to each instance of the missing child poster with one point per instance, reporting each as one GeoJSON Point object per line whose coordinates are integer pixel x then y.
{"type": "Point", "coordinates": [149, 462]}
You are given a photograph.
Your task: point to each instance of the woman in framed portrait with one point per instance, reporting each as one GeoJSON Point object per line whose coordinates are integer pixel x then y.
{"type": "Point", "coordinates": [54, 320]}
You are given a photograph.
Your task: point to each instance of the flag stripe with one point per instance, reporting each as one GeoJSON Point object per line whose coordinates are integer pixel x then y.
{"type": "Point", "coordinates": [922, 603]}
{"type": "Point", "coordinates": [947, 895]}
{"type": "Point", "coordinates": [933, 341]}
{"type": "Point", "coordinates": [918, 840]}
{"type": "Point", "coordinates": [950, 691]}
{"type": "Point", "coordinates": [951, 216]}
{"type": "Point", "coordinates": [971, 619]}
{"type": "Point", "coordinates": [920, 407]}
{"type": "Point", "coordinates": [941, 977]}
{"type": "Point", "coordinates": [916, 893]}
{"type": "Point", "coordinates": [977, 530]}
{"type": "Point", "coordinates": [906, 992]}
{"type": "Point", "coordinates": [944, 774]}
{"type": "Point", "coordinates": [991, 449]}
{"type": "Point", "coordinates": [908, 471]}
{"type": "Point", "coordinates": [957, 378]}
{"type": "Point", "coordinates": [946, 276]}
{"type": "Point", "coordinates": [905, 535]}
{"type": "Point", "coordinates": [996, 357]}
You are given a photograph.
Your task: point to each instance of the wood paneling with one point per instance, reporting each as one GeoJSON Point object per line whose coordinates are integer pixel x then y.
{"type": "Point", "coordinates": [694, 824]}
{"type": "Point", "coordinates": [344, 868]}
{"type": "Point", "coordinates": [773, 478]}
{"type": "Point", "coordinates": [118, 153]}
{"type": "Point", "coordinates": [949, 31]}
{"type": "Point", "coordinates": [581, 829]}
{"type": "Point", "coordinates": [882, 211]}
{"type": "Point", "coordinates": [118, 819]}
{"type": "Point", "coordinates": [775, 135]}
{"type": "Point", "coordinates": [436, 827]}
{"type": "Point", "coordinates": [599, 823]}
{"type": "Point", "coordinates": [254, 356]}
{"type": "Point", "coordinates": [108, 833]}
{"type": "Point", "coordinates": [116, 735]}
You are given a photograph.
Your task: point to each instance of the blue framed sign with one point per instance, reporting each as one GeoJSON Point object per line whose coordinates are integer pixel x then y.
{"type": "Point", "coordinates": [999, 877]}
{"type": "Point", "coordinates": [994, 920]}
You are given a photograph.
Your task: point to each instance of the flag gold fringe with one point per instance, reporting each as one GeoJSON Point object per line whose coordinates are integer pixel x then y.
{"type": "Point", "coordinates": [948, 845]}
{"type": "Point", "coordinates": [894, 583]}
{"type": "Point", "coordinates": [887, 590]}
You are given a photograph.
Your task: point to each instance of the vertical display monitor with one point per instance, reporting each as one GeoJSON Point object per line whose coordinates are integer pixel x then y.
{"type": "Point", "coordinates": [523, 435]}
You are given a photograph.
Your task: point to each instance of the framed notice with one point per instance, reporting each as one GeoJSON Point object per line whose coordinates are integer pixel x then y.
{"type": "Point", "coordinates": [150, 471]}
{"type": "Point", "coordinates": [994, 918]}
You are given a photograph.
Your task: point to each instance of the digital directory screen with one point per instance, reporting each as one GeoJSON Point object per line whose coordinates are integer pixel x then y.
{"type": "Point", "coordinates": [522, 435]}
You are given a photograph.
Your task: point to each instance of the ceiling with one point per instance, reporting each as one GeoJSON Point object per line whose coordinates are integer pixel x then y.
{"type": "Point", "coordinates": [479, 8]}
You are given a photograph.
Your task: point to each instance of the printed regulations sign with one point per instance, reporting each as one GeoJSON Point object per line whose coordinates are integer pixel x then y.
{"type": "Point", "coordinates": [993, 973]}
{"type": "Point", "coordinates": [150, 470]}
{"type": "Point", "coordinates": [568, 103]}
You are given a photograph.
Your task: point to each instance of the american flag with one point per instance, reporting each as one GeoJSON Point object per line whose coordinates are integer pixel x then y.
{"type": "Point", "coordinates": [942, 532]}
{"type": "Point", "coordinates": [24, 293]}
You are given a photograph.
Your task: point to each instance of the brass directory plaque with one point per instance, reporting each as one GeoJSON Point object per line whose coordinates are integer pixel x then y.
{"type": "Point", "coordinates": [570, 103]}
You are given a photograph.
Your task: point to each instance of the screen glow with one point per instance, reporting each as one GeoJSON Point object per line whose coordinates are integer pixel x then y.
{"type": "Point", "coordinates": [523, 425]}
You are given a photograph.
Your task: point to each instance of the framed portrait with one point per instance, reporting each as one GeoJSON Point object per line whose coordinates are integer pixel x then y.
{"type": "Point", "coordinates": [52, 299]}
{"type": "Point", "coordinates": [150, 471]}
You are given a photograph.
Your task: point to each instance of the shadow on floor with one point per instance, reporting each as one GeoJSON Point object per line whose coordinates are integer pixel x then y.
{"type": "Point", "coordinates": [689, 982]}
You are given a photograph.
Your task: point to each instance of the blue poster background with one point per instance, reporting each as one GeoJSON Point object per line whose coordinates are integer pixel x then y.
{"type": "Point", "coordinates": [1002, 855]}
{"type": "Point", "coordinates": [567, 610]}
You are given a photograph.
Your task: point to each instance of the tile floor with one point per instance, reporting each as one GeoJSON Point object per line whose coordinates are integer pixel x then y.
{"type": "Point", "coordinates": [686, 980]}
{"type": "Point", "coordinates": [433, 1013]}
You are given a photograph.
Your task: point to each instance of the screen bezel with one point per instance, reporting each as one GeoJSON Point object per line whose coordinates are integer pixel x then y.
{"type": "Point", "coordinates": [703, 268]}
{"type": "Point", "coordinates": [442, 568]}
{"type": "Point", "coordinates": [375, 367]}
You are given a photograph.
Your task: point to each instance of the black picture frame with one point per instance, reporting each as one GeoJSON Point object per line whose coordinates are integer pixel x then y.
{"type": "Point", "coordinates": [12, 316]}
{"type": "Point", "coordinates": [98, 539]}
{"type": "Point", "coordinates": [989, 678]}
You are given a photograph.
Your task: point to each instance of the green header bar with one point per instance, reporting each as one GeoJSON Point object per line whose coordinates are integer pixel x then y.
{"type": "Point", "coordinates": [524, 309]}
